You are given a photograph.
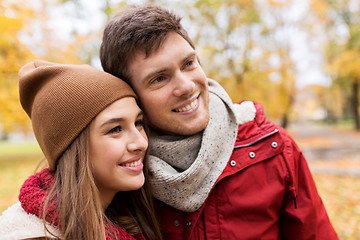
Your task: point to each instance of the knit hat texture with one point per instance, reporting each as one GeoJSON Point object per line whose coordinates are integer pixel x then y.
{"type": "Point", "coordinates": [61, 100]}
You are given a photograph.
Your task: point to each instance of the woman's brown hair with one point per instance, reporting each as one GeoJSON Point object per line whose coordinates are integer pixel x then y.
{"type": "Point", "coordinates": [80, 211]}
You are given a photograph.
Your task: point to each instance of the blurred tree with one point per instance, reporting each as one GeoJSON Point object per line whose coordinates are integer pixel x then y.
{"type": "Point", "coordinates": [41, 33]}
{"type": "Point", "coordinates": [225, 38]}
{"type": "Point", "coordinates": [277, 40]}
{"type": "Point", "coordinates": [245, 45]}
{"type": "Point", "coordinates": [25, 36]}
{"type": "Point", "coordinates": [333, 100]}
{"type": "Point", "coordinates": [346, 65]}
{"type": "Point", "coordinates": [342, 24]}
{"type": "Point", "coordinates": [13, 55]}
{"type": "Point", "coordinates": [237, 47]}
{"type": "Point", "coordinates": [88, 47]}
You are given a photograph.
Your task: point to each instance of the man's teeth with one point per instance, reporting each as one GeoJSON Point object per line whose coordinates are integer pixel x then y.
{"type": "Point", "coordinates": [187, 107]}
{"type": "Point", "coordinates": [132, 164]}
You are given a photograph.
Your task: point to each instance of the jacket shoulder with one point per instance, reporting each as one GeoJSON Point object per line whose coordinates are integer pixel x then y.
{"type": "Point", "coordinates": [261, 120]}
{"type": "Point", "coordinates": [249, 111]}
{"type": "Point", "coordinates": [263, 123]}
{"type": "Point", "coordinates": [257, 119]}
{"type": "Point", "coordinates": [260, 127]}
{"type": "Point", "coordinates": [15, 223]}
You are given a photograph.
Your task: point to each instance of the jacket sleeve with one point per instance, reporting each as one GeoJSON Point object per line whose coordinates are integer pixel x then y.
{"type": "Point", "coordinates": [303, 214]}
{"type": "Point", "coordinates": [15, 223]}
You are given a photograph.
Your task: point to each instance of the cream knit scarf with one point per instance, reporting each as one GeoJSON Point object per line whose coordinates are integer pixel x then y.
{"type": "Point", "coordinates": [183, 169]}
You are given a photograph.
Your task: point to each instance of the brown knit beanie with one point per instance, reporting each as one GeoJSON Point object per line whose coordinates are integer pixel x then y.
{"type": "Point", "coordinates": [61, 100]}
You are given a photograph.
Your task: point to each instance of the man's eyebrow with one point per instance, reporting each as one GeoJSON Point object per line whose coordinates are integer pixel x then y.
{"type": "Point", "coordinates": [190, 55]}
{"type": "Point", "coordinates": [116, 120]}
{"type": "Point", "coordinates": [149, 75]}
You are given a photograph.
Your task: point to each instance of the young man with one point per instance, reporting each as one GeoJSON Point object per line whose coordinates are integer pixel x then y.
{"type": "Point", "coordinates": [219, 170]}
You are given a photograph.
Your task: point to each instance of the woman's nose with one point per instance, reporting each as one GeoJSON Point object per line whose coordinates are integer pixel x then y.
{"type": "Point", "coordinates": [138, 141]}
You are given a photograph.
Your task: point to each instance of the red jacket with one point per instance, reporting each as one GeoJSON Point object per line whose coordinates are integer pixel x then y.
{"type": "Point", "coordinates": [266, 191]}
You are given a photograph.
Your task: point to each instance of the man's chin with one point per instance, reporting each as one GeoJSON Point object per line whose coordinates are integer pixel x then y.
{"type": "Point", "coordinates": [182, 129]}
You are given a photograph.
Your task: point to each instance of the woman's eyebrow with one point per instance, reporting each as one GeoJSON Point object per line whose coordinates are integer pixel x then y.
{"type": "Point", "coordinates": [116, 120]}
{"type": "Point", "coordinates": [112, 120]}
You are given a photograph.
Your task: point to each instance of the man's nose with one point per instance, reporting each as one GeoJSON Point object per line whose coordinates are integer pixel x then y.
{"type": "Point", "coordinates": [184, 85]}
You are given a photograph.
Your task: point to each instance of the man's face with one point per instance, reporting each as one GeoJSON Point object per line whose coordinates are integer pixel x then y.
{"type": "Point", "coordinates": [172, 87]}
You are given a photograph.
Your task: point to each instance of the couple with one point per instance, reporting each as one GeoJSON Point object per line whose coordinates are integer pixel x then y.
{"type": "Point", "coordinates": [217, 170]}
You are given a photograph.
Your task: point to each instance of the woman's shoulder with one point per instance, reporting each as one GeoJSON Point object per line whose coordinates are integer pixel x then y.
{"type": "Point", "coordinates": [15, 223]}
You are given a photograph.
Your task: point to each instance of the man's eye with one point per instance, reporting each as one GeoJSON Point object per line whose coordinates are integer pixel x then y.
{"type": "Point", "coordinates": [158, 79]}
{"type": "Point", "coordinates": [114, 130]}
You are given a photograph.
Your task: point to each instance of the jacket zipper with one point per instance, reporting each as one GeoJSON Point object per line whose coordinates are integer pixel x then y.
{"type": "Point", "coordinates": [258, 140]}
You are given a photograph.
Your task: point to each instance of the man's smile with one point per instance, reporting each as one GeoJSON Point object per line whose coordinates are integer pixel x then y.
{"type": "Point", "coordinates": [192, 105]}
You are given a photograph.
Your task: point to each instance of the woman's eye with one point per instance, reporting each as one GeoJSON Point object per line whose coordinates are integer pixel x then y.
{"type": "Point", "coordinates": [139, 124]}
{"type": "Point", "coordinates": [189, 63]}
{"type": "Point", "coordinates": [114, 130]}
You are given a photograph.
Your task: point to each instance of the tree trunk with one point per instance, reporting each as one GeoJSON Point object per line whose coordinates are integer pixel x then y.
{"type": "Point", "coordinates": [284, 121]}
{"type": "Point", "coordinates": [355, 104]}
{"type": "Point", "coordinates": [4, 136]}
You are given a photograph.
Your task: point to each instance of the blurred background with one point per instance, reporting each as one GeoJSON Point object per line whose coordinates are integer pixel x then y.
{"type": "Point", "coordinates": [300, 59]}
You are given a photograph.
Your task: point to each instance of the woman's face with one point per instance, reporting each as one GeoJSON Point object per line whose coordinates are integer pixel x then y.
{"type": "Point", "coordinates": [117, 147]}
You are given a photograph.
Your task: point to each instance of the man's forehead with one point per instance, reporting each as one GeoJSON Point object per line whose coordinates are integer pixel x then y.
{"type": "Point", "coordinates": [172, 52]}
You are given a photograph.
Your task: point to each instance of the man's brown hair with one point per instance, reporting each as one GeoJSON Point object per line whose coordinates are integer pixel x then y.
{"type": "Point", "coordinates": [138, 28]}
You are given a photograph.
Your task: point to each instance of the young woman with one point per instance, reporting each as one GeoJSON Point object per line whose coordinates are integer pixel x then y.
{"type": "Point", "coordinates": [90, 129]}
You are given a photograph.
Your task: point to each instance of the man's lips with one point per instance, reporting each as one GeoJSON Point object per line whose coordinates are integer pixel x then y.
{"type": "Point", "coordinates": [188, 106]}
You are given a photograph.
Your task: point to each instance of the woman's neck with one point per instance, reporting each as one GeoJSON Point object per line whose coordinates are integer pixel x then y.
{"type": "Point", "coordinates": [106, 198]}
